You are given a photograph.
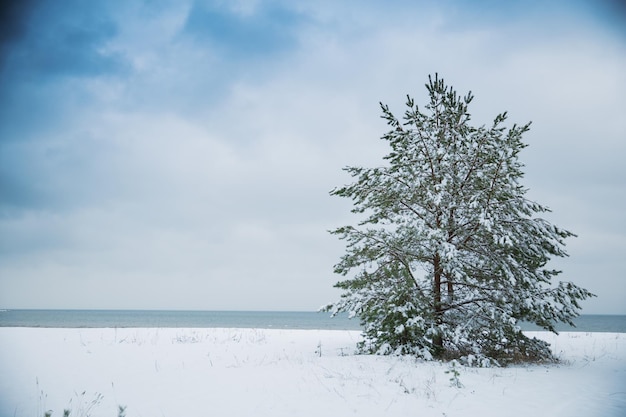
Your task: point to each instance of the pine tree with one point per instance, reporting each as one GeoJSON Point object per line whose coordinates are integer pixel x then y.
{"type": "Point", "coordinates": [450, 255]}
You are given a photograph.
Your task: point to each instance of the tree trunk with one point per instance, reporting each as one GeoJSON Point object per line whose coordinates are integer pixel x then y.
{"type": "Point", "coordinates": [450, 292]}
{"type": "Point", "coordinates": [451, 228]}
{"type": "Point", "coordinates": [437, 340]}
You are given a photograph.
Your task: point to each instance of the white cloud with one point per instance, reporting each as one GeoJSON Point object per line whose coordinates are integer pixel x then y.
{"type": "Point", "coordinates": [202, 182]}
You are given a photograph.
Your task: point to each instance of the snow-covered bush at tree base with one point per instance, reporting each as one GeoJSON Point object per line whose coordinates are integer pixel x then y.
{"type": "Point", "coordinates": [449, 255]}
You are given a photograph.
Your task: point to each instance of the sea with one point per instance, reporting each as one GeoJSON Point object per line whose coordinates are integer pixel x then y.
{"type": "Point", "coordinates": [239, 319]}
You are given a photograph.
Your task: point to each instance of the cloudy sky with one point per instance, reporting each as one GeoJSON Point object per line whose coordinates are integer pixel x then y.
{"type": "Point", "coordinates": [161, 154]}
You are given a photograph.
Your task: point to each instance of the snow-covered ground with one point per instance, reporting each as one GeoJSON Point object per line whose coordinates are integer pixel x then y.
{"type": "Point", "coordinates": [249, 372]}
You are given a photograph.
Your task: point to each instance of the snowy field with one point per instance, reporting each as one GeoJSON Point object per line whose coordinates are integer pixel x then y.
{"type": "Point", "coordinates": [248, 372]}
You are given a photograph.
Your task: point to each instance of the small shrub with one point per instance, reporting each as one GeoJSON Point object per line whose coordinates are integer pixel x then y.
{"type": "Point", "coordinates": [454, 373]}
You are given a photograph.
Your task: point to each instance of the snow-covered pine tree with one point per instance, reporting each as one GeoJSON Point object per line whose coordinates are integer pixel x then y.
{"type": "Point", "coordinates": [450, 255]}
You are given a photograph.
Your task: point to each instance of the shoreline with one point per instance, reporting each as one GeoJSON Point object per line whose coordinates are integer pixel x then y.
{"type": "Point", "coordinates": [239, 319]}
{"type": "Point", "coordinates": [540, 331]}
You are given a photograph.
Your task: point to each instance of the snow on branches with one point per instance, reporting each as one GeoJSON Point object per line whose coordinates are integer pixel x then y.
{"type": "Point", "coordinates": [449, 254]}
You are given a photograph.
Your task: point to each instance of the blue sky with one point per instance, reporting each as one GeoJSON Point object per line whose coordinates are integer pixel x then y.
{"type": "Point", "coordinates": [178, 154]}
